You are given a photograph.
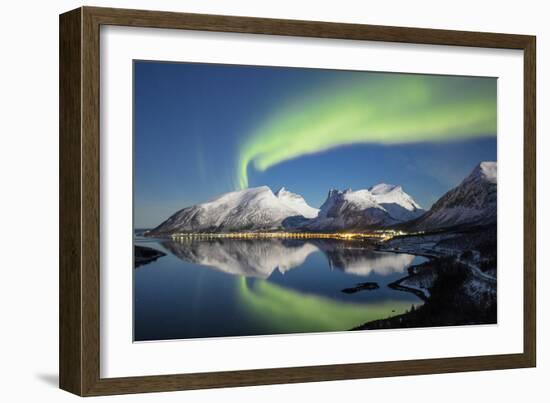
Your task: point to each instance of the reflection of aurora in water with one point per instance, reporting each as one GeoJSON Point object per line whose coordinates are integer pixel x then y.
{"type": "Point", "coordinates": [258, 287]}
{"type": "Point", "coordinates": [290, 311]}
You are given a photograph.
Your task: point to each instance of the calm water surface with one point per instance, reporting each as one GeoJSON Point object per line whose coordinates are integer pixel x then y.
{"type": "Point", "coordinates": [230, 287]}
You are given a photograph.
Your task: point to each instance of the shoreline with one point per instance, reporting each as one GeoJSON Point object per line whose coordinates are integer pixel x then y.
{"type": "Point", "coordinates": [432, 312]}
{"type": "Point", "coordinates": [396, 285]}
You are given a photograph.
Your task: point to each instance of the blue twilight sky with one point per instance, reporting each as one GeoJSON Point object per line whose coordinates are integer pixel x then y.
{"type": "Point", "coordinates": [202, 129]}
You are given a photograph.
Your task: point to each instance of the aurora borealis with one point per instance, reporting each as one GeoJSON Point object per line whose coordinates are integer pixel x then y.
{"type": "Point", "coordinates": [202, 129]}
{"type": "Point", "coordinates": [390, 109]}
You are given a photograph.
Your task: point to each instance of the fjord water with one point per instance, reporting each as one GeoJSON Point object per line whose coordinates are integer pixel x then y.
{"type": "Point", "coordinates": [230, 287]}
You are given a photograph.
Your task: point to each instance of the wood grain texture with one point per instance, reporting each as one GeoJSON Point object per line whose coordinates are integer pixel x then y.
{"type": "Point", "coordinates": [530, 202]}
{"type": "Point", "coordinates": [80, 200]}
{"type": "Point", "coordinates": [90, 202]}
{"type": "Point", "coordinates": [70, 271]}
{"type": "Point", "coordinates": [221, 23]}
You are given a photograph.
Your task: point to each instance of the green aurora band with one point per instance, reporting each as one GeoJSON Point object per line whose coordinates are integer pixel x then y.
{"type": "Point", "coordinates": [378, 108]}
{"type": "Point", "coordinates": [286, 310]}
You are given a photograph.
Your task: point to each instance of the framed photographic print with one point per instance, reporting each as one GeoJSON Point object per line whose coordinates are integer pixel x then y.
{"type": "Point", "coordinates": [250, 201]}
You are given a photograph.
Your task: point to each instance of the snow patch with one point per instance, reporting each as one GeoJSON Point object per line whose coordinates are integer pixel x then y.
{"type": "Point", "coordinates": [297, 203]}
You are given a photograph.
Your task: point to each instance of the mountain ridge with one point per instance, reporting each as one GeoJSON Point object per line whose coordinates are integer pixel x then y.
{"type": "Point", "coordinates": [380, 206]}
{"type": "Point", "coordinates": [251, 209]}
{"type": "Point", "coordinates": [473, 202]}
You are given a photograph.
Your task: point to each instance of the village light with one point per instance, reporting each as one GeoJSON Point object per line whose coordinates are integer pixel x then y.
{"type": "Point", "coordinates": [382, 235]}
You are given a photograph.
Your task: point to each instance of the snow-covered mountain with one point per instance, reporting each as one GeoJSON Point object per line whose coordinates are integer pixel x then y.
{"type": "Point", "coordinates": [381, 205]}
{"type": "Point", "coordinates": [259, 209]}
{"type": "Point", "coordinates": [473, 201]}
{"type": "Point", "coordinates": [244, 210]}
{"type": "Point", "coordinates": [397, 203]}
{"type": "Point", "coordinates": [297, 203]}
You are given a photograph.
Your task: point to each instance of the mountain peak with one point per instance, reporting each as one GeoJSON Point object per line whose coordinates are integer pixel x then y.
{"type": "Point", "coordinates": [296, 202]}
{"type": "Point", "coordinates": [241, 195]}
{"type": "Point", "coordinates": [473, 201]}
{"type": "Point", "coordinates": [333, 192]}
{"type": "Point", "coordinates": [263, 188]}
{"type": "Point", "coordinates": [394, 195]}
{"type": "Point", "coordinates": [258, 208]}
{"type": "Point", "coordinates": [383, 188]}
{"type": "Point", "coordinates": [487, 170]}
{"type": "Point", "coordinates": [380, 205]}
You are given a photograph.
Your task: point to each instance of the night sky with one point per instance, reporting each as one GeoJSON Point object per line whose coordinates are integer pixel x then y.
{"type": "Point", "coordinates": [201, 130]}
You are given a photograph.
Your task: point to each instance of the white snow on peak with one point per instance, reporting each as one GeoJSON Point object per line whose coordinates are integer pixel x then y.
{"type": "Point", "coordinates": [281, 191]}
{"type": "Point", "coordinates": [381, 204]}
{"type": "Point", "coordinates": [281, 205]}
{"type": "Point", "coordinates": [296, 202]}
{"type": "Point", "coordinates": [361, 198]}
{"type": "Point", "coordinates": [489, 170]}
{"type": "Point", "coordinates": [385, 194]}
{"type": "Point", "coordinates": [249, 209]}
{"type": "Point", "coordinates": [383, 188]}
{"type": "Point", "coordinates": [241, 206]}
{"type": "Point", "coordinates": [240, 196]}
{"type": "Point", "coordinates": [484, 171]}
{"type": "Point", "coordinates": [358, 200]}
{"type": "Point", "coordinates": [473, 201]}
{"type": "Point", "coordinates": [260, 209]}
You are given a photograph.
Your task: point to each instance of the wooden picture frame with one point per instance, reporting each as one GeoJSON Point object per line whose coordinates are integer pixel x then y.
{"type": "Point", "coordinates": [80, 186]}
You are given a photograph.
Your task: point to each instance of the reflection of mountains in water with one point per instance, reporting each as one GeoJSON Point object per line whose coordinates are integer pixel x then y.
{"type": "Point", "coordinates": [260, 257]}
{"type": "Point", "coordinates": [358, 260]}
